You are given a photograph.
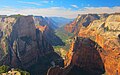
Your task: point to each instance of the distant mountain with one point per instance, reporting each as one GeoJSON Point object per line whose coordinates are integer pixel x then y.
{"type": "Point", "coordinates": [39, 20]}
{"type": "Point", "coordinates": [61, 21]}
{"type": "Point", "coordinates": [52, 22]}
{"type": "Point", "coordinates": [81, 21]}
{"type": "Point", "coordinates": [3, 15]}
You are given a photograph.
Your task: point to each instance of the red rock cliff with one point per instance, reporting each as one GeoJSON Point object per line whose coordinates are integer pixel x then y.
{"type": "Point", "coordinates": [97, 56]}
{"type": "Point", "coordinates": [82, 59]}
{"type": "Point", "coordinates": [105, 33]}
{"type": "Point", "coordinates": [81, 21]}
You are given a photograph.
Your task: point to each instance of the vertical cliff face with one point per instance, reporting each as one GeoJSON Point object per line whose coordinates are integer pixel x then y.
{"type": "Point", "coordinates": [82, 59]}
{"type": "Point", "coordinates": [50, 36]}
{"type": "Point", "coordinates": [86, 55]}
{"type": "Point", "coordinates": [5, 30]}
{"type": "Point", "coordinates": [105, 33]}
{"type": "Point", "coordinates": [28, 48]}
{"type": "Point", "coordinates": [95, 56]}
{"type": "Point", "coordinates": [48, 26]}
{"type": "Point", "coordinates": [81, 21]}
{"type": "Point", "coordinates": [25, 40]}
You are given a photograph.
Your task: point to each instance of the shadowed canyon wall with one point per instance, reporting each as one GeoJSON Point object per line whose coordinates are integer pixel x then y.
{"type": "Point", "coordinates": [28, 48]}
{"type": "Point", "coordinates": [97, 55]}
{"type": "Point", "coordinates": [83, 58]}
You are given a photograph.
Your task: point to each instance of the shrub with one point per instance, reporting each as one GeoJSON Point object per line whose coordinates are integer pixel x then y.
{"type": "Point", "coordinates": [3, 69]}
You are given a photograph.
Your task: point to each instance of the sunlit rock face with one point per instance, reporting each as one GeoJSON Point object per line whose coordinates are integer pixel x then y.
{"type": "Point", "coordinates": [83, 58]}
{"type": "Point", "coordinates": [5, 30]}
{"type": "Point", "coordinates": [95, 56]}
{"type": "Point", "coordinates": [81, 21]}
{"type": "Point", "coordinates": [106, 34]}
{"type": "Point", "coordinates": [28, 48]}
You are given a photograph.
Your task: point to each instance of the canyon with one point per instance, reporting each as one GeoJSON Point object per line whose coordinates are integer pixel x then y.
{"type": "Point", "coordinates": [95, 48]}
{"type": "Point", "coordinates": [27, 42]}
{"type": "Point", "coordinates": [25, 46]}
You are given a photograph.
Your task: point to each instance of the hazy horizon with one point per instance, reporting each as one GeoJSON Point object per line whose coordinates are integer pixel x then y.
{"type": "Point", "coordinates": [56, 8]}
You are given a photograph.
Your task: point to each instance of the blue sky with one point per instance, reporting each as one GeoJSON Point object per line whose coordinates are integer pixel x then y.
{"type": "Point", "coordinates": [64, 8]}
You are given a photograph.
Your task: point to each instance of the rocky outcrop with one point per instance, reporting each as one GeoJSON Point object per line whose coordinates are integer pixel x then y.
{"type": "Point", "coordinates": [85, 55]}
{"type": "Point", "coordinates": [25, 40]}
{"type": "Point", "coordinates": [82, 59]}
{"type": "Point", "coordinates": [50, 35]}
{"type": "Point", "coordinates": [105, 33]}
{"type": "Point", "coordinates": [47, 27]}
{"type": "Point", "coordinates": [5, 30]}
{"type": "Point", "coordinates": [39, 20]}
{"type": "Point", "coordinates": [103, 15]}
{"type": "Point", "coordinates": [28, 48]}
{"type": "Point", "coordinates": [81, 21]}
{"type": "Point", "coordinates": [95, 56]}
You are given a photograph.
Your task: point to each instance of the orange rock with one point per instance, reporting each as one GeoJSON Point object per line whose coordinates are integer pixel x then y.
{"type": "Point", "coordinates": [108, 40]}
{"type": "Point", "coordinates": [106, 34]}
{"type": "Point", "coordinates": [41, 28]}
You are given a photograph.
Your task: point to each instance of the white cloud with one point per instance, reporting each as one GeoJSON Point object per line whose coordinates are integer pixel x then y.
{"type": "Point", "coordinates": [75, 6]}
{"type": "Point", "coordinates": [33, 3]}
{"type": "Point", "coordinates": [45, 1]}
{"type": "Point", "coordinates": [102, 9]}
{"type": "Point", "coordinates": [58, 11]}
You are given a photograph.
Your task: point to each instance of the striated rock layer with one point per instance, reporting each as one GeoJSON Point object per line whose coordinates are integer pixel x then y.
{"type": "Point", "coordinates": [81, 21]}
{"type": "Point", "coordinates": [106, 34]}
{"type": "Point", "coordinates": [27, 48]}
{"type": "Point", "coordinates": [95, 56]}
{"type": "Point", "coordinates": [82, 59]}
{"type": "Point", "coordinates": [50, 35]}
{"type": "Point", "coordinates": [39, 20]}
{"type": "Point", "coordinates": [47, 26]}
